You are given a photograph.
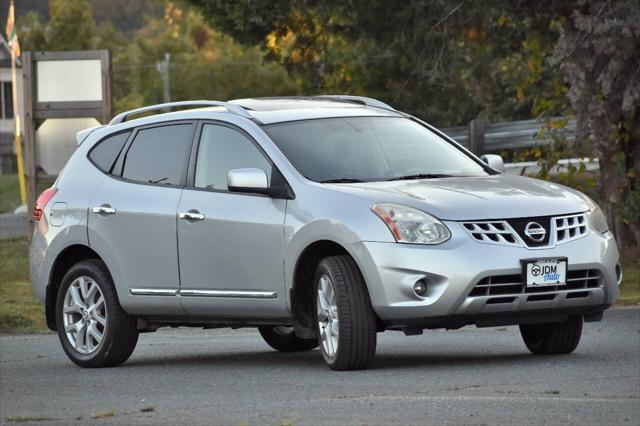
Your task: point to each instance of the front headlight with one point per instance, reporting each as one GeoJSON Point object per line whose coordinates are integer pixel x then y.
{"type": "Point", "coordinates": [596, 216]}
{"type": "Point", "coordinates": [413, 226]}
{"type": "Point", "coordinates": [599, 220]}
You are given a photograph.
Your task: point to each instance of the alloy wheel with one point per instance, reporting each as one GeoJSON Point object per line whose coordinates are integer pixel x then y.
{"type": "Point", "coordinates": [84, 315]}
{"type": "Point", "coordinates": [327, 310]}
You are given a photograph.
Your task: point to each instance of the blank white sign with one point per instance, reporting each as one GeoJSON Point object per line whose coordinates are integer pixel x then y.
{"type": "Point", "coordinates": [69, 80]}
{"type": "Point", "coordinates": [56, 141]}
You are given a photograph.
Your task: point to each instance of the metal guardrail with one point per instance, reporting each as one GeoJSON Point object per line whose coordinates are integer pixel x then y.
{"type": "Point", "coordinates": [506, 136]}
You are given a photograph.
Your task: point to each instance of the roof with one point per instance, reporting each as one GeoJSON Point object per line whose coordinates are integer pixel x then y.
{"type": "Point", "coordinates": [271, 110]}
{"type": "Point", "coordinates": [276, 110]}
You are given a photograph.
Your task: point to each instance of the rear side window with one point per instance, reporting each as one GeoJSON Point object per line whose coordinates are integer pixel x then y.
{"type": "Point", "coordinates": [104, 154]}
{"type": "Point", "coordinates": [159, 155]}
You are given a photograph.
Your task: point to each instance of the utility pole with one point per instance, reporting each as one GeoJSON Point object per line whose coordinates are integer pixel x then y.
{"type": "Point", "coordinates": [163, 68]}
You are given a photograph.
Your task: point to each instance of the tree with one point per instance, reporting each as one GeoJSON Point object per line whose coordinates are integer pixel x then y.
{"type": "Point", "coordinates": [598, 53]}
{"type": "Point", "coordinates": [447, 62]}
{"type": "Point", "coordinates": [205, 64]}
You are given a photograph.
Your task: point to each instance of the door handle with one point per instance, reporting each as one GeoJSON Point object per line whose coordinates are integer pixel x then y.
{"type": "Point", "coordinates": [191, 215]}
{"type": "Point", "coordinates": [104, 210]}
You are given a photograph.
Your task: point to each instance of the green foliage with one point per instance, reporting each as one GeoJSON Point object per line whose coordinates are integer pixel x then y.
{"type": "Point", "coordinates": [447, 62]}
{"type": "Point", "coordinates": [205, 64]}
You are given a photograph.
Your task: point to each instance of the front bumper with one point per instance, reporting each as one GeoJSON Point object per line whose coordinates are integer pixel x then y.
{"type": "Point", "coordinates": [454, 268]}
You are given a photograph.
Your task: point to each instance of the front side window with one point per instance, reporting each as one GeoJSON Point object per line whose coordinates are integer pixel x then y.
{"type": "Point", "coordinates": [159, 155]}
{"type": "Point", "coordinates": [223, 149]}
{"type": "Point", "coordinates": [369, 149]}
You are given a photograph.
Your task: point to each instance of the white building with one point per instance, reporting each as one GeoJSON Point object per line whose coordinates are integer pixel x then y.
{"type": "Point", "coordinates": [7, 123]}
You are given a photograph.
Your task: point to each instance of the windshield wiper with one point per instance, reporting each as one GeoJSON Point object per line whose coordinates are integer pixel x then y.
{"type": "Point", "coordinates": [421, 176]}
{"type": "Point", "coordinates": [157, 180]}
{"type": "Point", "coordinates": [342, 180]}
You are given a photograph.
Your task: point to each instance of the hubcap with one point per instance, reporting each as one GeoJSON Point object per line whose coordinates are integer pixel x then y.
{"type": "Point", "coordinates": [84, 315]}
{"type": "Point", "coordinates": [327, 310]}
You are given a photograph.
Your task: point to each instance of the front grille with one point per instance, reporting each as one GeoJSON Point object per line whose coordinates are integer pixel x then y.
{"type": "Point", "coordinates": [494, 232]}
{"type": "Point", "coordinates": [511, 232]}
{"type": "Point", "coordinates": [500, 285]}
{"type": "Point", "coordinates": [569, 228]}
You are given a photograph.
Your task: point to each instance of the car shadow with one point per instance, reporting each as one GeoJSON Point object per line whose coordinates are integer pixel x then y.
{"type": "Point", "coordinates": [313, 360]}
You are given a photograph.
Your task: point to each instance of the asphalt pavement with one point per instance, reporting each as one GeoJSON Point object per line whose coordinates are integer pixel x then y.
{"type": "Point", "coordinates": [470, 376]}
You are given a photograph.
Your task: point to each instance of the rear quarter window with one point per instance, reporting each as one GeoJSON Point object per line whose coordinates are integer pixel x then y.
{"type": "Point", "coordinates": [104, 154]}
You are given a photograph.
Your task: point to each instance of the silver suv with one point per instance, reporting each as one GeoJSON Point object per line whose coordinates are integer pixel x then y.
{"type": "Point", "coordinates": [321, 221]}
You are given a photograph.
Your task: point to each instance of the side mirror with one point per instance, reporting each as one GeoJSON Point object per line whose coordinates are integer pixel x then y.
{"type": "Point", "coordinates": [494, 161]}
{"type": "Point", "coordinates": [248, 180]}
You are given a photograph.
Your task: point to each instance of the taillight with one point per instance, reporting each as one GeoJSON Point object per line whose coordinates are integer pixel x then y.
{"type": "Point", "coordinates": [42, 202]}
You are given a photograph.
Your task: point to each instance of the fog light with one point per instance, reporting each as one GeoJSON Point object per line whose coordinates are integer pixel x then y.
{"type": "Point", "coordinates": [420, 287]}
{"type": "Point", "coordinates": [619, 273]}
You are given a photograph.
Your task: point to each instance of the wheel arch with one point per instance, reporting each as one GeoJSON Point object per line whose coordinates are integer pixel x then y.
{"type": "Point", "coordinates": [303, 272]}
{"type": "Point", "coordinates": [66, 259]}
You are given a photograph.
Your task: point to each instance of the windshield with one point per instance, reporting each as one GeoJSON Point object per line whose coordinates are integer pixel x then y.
{"type": "Point", "coordinates": [354, 149]}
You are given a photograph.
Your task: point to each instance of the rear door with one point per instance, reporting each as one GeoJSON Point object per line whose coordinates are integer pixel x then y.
{"type": "Point", "coordinates": [231, 255]}
{"type": "Point", "coordinates": [132, 217]}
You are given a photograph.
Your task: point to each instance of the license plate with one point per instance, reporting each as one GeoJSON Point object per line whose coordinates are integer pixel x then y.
{"type": "Point", "coordinates": [545, 272]}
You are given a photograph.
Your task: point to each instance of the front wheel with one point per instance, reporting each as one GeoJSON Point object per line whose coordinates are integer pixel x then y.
{"type": "Point", "coordinates": [93, 328]}
{"type": "Point", "coordinates": [284, 339]}
{"type": "Point", "coordinates": [553, 338]}
{"type": "Point", "coordinates": [345, 318]}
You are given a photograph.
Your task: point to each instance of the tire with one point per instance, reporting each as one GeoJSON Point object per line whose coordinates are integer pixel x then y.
{"type": "Point", "coordinates": [553, 338]}
{"type": "Point", "coordinates": [354, 347]}
{"type": "Point", "coordinates": [90, 319]}
{"type": "Point", "coordinates": [284, 339]}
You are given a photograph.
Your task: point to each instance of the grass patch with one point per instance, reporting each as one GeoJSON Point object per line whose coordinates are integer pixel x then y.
{"type": "Point", "coordinates": [20, 311]}
{"type": "Point", "coordinates": [9, 193]}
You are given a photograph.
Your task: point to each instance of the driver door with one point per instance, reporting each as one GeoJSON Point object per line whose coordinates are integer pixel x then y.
{"type": "Point", "coordinates": [230, 245]}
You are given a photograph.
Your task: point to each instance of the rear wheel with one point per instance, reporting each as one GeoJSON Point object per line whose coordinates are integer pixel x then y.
{"type": "Point", "coordinates": [553, 338]}
{"type": "Point", "coordinates": [284, 339]}
{"type": "Point", "coordinates": [345, 318]}
{"type": "Point", "coordinates": [93, 328]}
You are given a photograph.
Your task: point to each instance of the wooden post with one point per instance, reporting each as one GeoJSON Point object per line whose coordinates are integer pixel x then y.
{"type": "Point", "coordinates": [476, 135]}
{"type": "Point", "coordinates": [29, 134]}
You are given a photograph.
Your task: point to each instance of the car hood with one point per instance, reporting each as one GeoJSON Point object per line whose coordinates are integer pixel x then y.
{"type": "Point", "coordinates": [500, 196]}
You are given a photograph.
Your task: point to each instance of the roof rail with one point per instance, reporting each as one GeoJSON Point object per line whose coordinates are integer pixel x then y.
{"type": "Point", "coordinates": [360, 100]}
{"type": "Point", "coordinates": [234, 109]}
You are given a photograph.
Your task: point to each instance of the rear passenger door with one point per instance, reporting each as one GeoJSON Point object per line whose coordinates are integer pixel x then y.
{"type": "Point", "coordinates": [132, 217]}
{"type": "Point", "coordinates": [231, 254]}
